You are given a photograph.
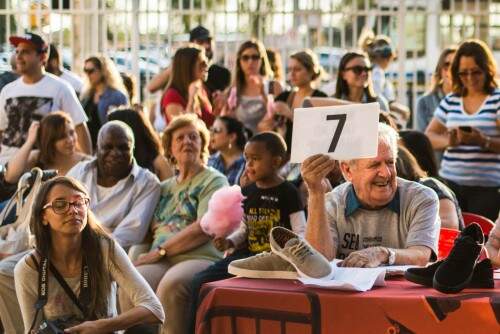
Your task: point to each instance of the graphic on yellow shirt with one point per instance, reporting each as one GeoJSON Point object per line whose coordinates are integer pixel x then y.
{"type": "Point", "coordinates": [260, 221]}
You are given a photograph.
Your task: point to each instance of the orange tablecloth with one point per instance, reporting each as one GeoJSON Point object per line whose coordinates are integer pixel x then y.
{"type": "Point", "coordinates": [251, 306]}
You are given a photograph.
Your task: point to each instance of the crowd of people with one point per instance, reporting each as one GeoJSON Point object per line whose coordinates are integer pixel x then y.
{"type": "Point", "coordinates": [119, 228]}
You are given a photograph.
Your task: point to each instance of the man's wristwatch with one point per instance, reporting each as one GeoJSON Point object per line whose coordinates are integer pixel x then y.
{"type": "Point", "coordinates": [162, 251]}
{"type": "Point", "coordinates": [391, 259]}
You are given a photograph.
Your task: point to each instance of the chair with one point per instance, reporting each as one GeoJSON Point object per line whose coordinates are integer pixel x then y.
{"type": "Point", "coordinates": [485, 223]}
{"type": "Point", "coordinates": [446, 241]}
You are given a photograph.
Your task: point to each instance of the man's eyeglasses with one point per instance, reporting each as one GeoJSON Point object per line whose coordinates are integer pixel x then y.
{"type": "Point", "coordinates": [215, 130]}
{"type": "Point", "coordinates": [473, 73]}
{"type": "Point", "coordinates": [61, 206]}
{"type": "Point", "coordinates": [358, 69]}
{"type": "Point", "coordinates": [246, 58]}
{"type": "Point", "coordinates": [89, 71]}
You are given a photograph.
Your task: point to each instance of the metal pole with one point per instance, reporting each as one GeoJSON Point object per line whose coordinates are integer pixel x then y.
{"type": "Point", "coordinates": [135, 46]}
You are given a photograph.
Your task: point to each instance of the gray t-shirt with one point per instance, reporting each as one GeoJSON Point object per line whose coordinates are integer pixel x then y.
{"type": "Point", "coordinates": [410, 219]}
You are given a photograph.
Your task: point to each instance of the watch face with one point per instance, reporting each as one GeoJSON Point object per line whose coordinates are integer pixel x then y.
{"type": "Point", "coordinates": [162, 252]}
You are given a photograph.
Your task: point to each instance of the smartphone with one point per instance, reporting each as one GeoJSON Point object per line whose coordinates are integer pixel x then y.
{"type": "Point", "coordinates": [465, 128]}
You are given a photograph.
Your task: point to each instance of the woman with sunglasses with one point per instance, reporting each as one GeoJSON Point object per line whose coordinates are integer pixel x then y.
{"type": "Point", "coordinates": [80, 263]}
{"type": "Point", "coordinates": [467, 126]}
{"type": "Point", "coordinates": [227, 141]}
{"type": "Point", "coordinates": [103, 89]}
{"type": "Point", "coordinates": [440, 87]}
{"type": "Point", "coordinates": [354, 83]}
{"type": "Point", "coordinates": [185, 92]}
{"type": "Point", "coordinates": [252, 87]}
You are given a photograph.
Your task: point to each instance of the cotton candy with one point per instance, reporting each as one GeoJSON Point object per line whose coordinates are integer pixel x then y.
{"type": "Point", "coordinates": [224, 213]}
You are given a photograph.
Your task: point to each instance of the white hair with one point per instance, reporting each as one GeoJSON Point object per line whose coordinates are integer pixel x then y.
{"type": "Point", "coordinates": [386, 135]}
{"type": "Point", "coordinates": [115, 125]}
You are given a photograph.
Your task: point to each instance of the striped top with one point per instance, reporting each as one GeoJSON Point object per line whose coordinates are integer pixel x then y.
{"type": "Point", "coordinates": [471, 165]}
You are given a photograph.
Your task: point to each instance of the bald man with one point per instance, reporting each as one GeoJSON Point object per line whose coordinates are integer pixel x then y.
{"type": "Point", "coordinates": [123, 195]}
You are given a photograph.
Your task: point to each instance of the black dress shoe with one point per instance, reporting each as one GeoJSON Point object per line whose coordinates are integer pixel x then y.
{"type": "Point", "coordinates": [456, 271]}
{"type": "Point", "coordinates": [422, 276]}
{"type": "Point", "coordinates": [482, 278]}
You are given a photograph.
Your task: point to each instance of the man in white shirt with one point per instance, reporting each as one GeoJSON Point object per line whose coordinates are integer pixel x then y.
{"type": "Point", "coordinates": [34, 95]}
{"type": "Point", "coordinates": [123, 195]}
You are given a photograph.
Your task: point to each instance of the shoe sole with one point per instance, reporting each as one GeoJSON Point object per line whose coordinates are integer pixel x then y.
{"type": "Point", "coordinates": [451, 289]}
{"type": "Point", "coordinates": [280, 254]}
{"type": "Point", "coordinates": [249, 273]}
{"type": "Point", "coordinates": [418, 279]}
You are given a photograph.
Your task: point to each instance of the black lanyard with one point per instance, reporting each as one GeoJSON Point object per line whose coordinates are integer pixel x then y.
{"type": "Point", "coordinates": [83, 299]}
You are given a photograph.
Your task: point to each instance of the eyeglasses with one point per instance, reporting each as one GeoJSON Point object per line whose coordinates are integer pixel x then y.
{"type": "Point", "coordinates": [61, 206]}
{"type": "Point", "coordinates": [358, 69]}
{"type": "Point", "coordinates": [215, 130]}
{"type": "Point", "coordinates": [472, 73]}
{"type": "Point", "coordinates": [89, 71]}
{"type": "Point", "coordinates": [246, 58]}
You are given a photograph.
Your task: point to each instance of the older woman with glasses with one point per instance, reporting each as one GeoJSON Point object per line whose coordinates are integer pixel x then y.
{"type": "Point", "coordinates": [467, 126]}
{"type": "Point", "coordinates": [441, 86]}
{"type": "Point", "coordinates": [67, 281]}
{"type": "Point", "coordinates": [354, 82]}
{"type": "Point", "coordinates": [180, 248]}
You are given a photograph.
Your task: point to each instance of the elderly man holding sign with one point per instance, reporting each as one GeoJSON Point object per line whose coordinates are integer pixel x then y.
{"type": "Point", "coordinates": [375, 218]}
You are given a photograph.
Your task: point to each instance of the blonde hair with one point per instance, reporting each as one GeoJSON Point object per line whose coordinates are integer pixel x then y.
{"type": "Point", "coordinates": [110, 74]}
{"type": "Point", "coordinates": [180, 122]}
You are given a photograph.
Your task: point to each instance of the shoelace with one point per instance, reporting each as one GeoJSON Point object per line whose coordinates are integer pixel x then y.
{"type": "Point", "coordinates": [300, 251]}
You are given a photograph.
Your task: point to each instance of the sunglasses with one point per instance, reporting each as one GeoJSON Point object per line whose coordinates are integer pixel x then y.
{"type": "Point", "coordinates": [246, 58]}
{"type": "Point", "coordinates": [473, 73]}
{"type": "Point", "coordinates": [358, 69]}
{"type": "Point", "coordinates": [89, 71]}
{"type": "Point", "coordinates": [61, 206]}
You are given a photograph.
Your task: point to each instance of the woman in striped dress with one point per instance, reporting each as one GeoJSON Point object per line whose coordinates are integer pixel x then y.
{"type": "Point", "coordinates": [467, 125]}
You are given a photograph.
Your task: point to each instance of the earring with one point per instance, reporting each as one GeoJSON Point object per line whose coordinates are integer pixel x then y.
{"type": "Point", "coordinates": [230, 146]}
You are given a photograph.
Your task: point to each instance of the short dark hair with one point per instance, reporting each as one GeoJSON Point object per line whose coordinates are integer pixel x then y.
{"type": "Point", "coordinates": [274, 143]}
{"type": "Point", "coordinates": [236, 127]}
{"type": "Point", "coordinates": [53, 52]}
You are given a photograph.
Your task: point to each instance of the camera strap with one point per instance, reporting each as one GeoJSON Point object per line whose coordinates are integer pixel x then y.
{"type": "Point", "coordinates": [81, 302]}
{"type": "Point", "coordinates": [84, 298]}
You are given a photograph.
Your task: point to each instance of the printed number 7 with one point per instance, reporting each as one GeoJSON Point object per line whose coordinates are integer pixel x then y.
{"type": "Point", "coordinates": [338, 131]}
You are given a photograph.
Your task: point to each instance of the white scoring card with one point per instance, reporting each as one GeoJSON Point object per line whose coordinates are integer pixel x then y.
{"type": "Point", "coordinates": [344, 132]}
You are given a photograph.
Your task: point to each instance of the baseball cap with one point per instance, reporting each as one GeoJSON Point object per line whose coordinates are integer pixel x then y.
{"type": "Point", "coordinates": [36, 40]}
{"type": "Point", "coordinates": [199, 33]}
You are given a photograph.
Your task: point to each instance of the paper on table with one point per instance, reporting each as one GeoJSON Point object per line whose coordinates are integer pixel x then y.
{"type": "Point", "coordinates": [354, 279]}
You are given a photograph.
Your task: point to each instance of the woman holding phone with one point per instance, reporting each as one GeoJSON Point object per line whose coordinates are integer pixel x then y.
{"type": "Point", "coordinates": [467, 125]}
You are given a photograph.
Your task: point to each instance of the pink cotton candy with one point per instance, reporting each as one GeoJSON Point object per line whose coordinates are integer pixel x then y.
{"type": "Point", "coordinates": [224, 213]}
